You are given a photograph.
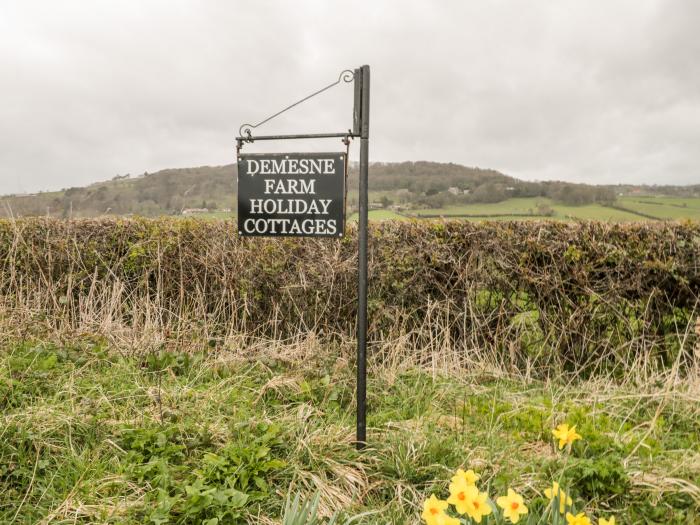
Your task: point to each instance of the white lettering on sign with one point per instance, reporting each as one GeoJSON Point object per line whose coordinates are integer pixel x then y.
{"type": "Point", "coordinates": [290, 166]}
{"type": "Point", "coordinates": [292, 194]}
{"type": "Point", "coordinates": [290, 186]}
{"type": "Point", "coordinates": [289, 206]}
{"type": "Point", "coordinates": [290, 226]}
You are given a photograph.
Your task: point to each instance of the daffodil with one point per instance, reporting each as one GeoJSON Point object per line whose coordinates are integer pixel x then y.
{"type": "Point", "coordinates": [565, 434]}
{"type": "Point", "coordinates": [579, 519]}
{"type": "Point", "coordinates": [556, 491]}
{"type": "Point", "coordinates": [468, 500]}
{"type": "Point", "coordinates": [460, 494]}
{"type": "Point", "coordinates": [603, 521]}
{"type": "Point", "coordinates": [513, 506]}
{"type": "Point", "coordinates": [470, 477]}
{"type": "Point", "coordinates": [434, 512]}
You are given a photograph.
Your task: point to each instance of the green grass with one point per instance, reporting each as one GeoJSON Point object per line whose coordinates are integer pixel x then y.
{"type": "Point", "coordinates": [380, 215]}
{"type": "Point", "coordinates": [88, 435]}
{"type": "Point", "coordinates": [520, 206]}
{"type": "Point", "coordinates": [664, 207]}
{"type": "Point", "coordinates": [500, 211]}
{"type": "Point", "coordinates": [594, 212]}
{"type": "Point", "coordinates": [689, 202]}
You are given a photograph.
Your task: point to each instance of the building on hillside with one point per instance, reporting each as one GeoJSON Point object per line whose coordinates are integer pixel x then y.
{"type": "Point", "coordinates": [454, 190]}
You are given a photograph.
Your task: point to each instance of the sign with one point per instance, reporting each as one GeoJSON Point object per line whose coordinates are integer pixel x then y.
{"type": "Point", "coordinates": [303, 195]}
{"type": "Point", "coordinates": [291, 194]}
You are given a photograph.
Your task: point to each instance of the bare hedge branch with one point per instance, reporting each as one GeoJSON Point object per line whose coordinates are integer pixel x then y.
{"type": "Point", "coordinates": [579, 294]}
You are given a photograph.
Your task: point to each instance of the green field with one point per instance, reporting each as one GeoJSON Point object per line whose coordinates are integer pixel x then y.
{"type": "Point", "coordinates": [664, 207]}
{"type": "Point", "coordinates": [528, 206]}
{"type": "Point", "coordinates": [520, 206]}
{"type": "Point", "coordinates": [91, 435]}
{"type": "Point", "coordinates": [691, 202]}
{"type": "Point", "coordinates": [593, 212]}
{"type": "Point", "coordinates": [669, 208]}
{"type": "Point", "coordinates": [380, 215]}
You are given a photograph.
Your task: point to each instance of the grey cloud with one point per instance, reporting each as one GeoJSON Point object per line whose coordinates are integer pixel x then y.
{"type": "Point", "coordinates": [599, 91]}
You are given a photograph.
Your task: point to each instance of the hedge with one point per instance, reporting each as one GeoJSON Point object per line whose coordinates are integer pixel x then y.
{"type": "Point", "coordinates": [582, 293]}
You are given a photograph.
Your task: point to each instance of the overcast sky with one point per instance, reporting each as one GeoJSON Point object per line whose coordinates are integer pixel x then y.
{"type": "Point", "coordinates": [598, 91]}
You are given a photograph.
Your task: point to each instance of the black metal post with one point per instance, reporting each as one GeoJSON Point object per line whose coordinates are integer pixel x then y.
{"type": "Point", "coordinates": [362, 266]}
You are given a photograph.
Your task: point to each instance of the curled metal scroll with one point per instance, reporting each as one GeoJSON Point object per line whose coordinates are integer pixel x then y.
{"type": "Point", "coordinates": [246, 129]}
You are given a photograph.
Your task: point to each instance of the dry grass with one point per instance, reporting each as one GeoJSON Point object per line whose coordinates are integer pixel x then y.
{"type": "Point", "coordinates": [535, 298]}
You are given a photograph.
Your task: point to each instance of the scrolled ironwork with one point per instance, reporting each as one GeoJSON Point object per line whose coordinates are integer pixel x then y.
{"type": "Point", "coordinates": [245, 130]}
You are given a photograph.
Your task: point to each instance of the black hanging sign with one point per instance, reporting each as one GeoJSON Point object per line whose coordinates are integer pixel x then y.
{"type": "Point", "coordinates": [291, 194]}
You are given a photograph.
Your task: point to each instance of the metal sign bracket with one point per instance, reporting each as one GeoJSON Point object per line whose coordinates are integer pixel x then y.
{"type": "Point", "coordinates": [360, 129]}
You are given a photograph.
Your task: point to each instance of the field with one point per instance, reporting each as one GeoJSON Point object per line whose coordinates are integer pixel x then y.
{"type": "Point", "coordinates": [668, 208]}
{"type": "Point", "coordinates": [664, 207]}
{"type": "Point", "coordinates": [90, 435]}
{"type": "Point", "coordinates": [380, 215]}
{"type": "Point", "coordinates": [171, 372]}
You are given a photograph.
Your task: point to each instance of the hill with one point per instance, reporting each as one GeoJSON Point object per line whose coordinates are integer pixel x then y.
{"type": "Point", "coordinates": [399, 186]}
{"type": "Point", "coordinates": [165, 192]}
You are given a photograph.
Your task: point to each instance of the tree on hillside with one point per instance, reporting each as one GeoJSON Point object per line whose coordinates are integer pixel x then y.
{"type": "Point", "coordinates": [490, 192]}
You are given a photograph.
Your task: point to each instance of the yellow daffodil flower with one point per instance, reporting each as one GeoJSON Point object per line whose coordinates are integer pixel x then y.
{"type": "Point", "coordinates": [579, 519]}
{"type": "Point", "coordinates": [565, 435]}
{"type": "Point", "coordinates": [555, 491]}
{"type": "Point", "coordinates": [434, 512]}
{"type": "Point", "coordinates": [469, 477]}
{"type": "Point", "coordinates": [468, 500]}
{"type": "Point", "coordinates": [460, 494]}
{"type": "Point", "coordinates": [603, 521]}
{"type": "Point", "coordinates": [513, 506]}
